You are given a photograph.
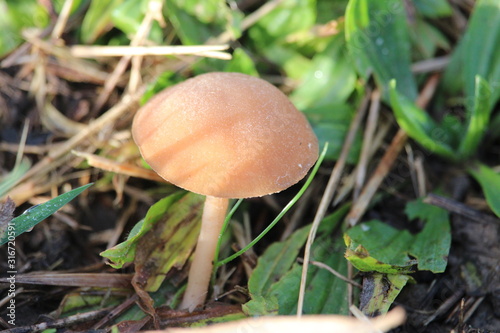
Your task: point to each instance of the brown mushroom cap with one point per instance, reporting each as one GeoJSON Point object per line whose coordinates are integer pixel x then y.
{"type": "Point", "coordinates": [226, 135]}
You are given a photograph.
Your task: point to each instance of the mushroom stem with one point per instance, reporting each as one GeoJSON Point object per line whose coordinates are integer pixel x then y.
{"type": "Point", "coordinates": [214, 213]}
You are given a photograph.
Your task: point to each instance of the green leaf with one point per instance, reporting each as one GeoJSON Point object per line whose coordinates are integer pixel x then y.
{"type": "Point", "coordinates": [326, 10]}
{"type": "Point", "coordinates": [16, 16]}
{"type": "Point", "coordinates": [275, 281]}
{"type": "Point", "coordinates": [97, 20]}
{"type": "Point", "coordinates": [166, 79]}
{"type": "Point", "coordinates": [275, 262]}
{"type": "Point", "coordinates": [36, 214]}
{"type": "Point", "coordinates": [426, 40]}
{"type": "Point", "coordinates": [331, 124]}
{"type": "Point", "coordinates": [330, 78]}
{"type": "Point", "coordinates": [376, 246]}
{"type": "Point", "coordinates": [197, 21]}
{"type": "Point", "coordinates": [433, 8]}
{"type": "Point", "coordinates": [13, 177]}
{"type": "Point", "coordinates": [294, 63]}
{"type": "Point", "coordinates": [478, 116]}
{"type": "Point", "coordinates": [207, 11]}
{"type": "Point", "coordinates": [288, 17]}
{"type": "Point", "coordinates": [378, 41]}
{"type": "Point", "coordinates": [490, 183]}
{"type": "Point", "coordinates": [125, 252]}
{"type": "Point", "coordinates": [380, 291]}
{"type": "Point", "coordinates": [453, 82]}
{"type": "Point", "coordinates": [431, 245]}
{"type": "Point", "coordinates": [481, 48]}
{"type": "Point", "coordinates": [129, 15]}
{"type": "Point", "coordinates": [325, 293]}
{"type": "Point", "coordinates": [420, 126]}
{"type": "Point", "coordinates": [241, 63]}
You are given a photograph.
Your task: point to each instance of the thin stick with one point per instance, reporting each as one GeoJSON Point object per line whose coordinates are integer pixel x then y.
{"type": "Point", "coordinates": [62, 19]}
{"type": "Point", "coordinates": [359, 207]}
{"type": "Point", "coordinates": [334, 272]}
{"type": "Point", "coordinates": [327, 198]}
{"type": "Point", "coordinates": [122, 65]}
{"type": "Point", "coordinates": [83, 51]}
{"type": "Point", "coordinates": [371, 124]}
{"type": "Point", "coordinates": [349, 180]}
{"type": "Point", "coordinates": [154, 7]}
{"type": "Point", "coordinates": [459, 208]}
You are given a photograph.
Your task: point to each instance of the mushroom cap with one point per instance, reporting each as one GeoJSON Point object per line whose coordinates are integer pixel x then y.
{"type": "Point", "coordinates": [226, 135]}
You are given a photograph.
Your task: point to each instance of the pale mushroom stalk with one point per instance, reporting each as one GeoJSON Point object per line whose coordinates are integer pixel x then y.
{"type": "Point", "coordinates": [214, 213]}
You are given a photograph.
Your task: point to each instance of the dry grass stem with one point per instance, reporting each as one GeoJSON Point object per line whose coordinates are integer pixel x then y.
{"type": "Point", "coordinates": [83, 51]}
{"type": "Point", "coordinates": [359, 207]}
{"type": "Point", "coordinates": [334, 272]}
{"type": "Point", "coordinates": [328, 195]}
{"type": "Point", "coordinates": [62, 323]}
{"type": "Point", "coordinates": [349, 180]}
{"type": "Point", "coordinates": [430, 65]}
{"type": "Point", "coordinates": [117, 167]}
{"type": "Point", "coordinates": [421, 178]}
{"type": "Point", "coordinates": [371, 125]}
{"type": "Point", "coordinates": [459, 208]}
{"type": "Point", "coordinates": [55, 156]}
{"type": "Point", "coordinates": [62, 20]}
{"type": "Point", "coordinates": [411, 165]}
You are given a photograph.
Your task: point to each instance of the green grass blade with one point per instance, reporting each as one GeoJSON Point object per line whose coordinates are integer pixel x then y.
{"type": "Point", "coordinates": [37, 214]}
{"type": "Point", "coordinates": [280, 215]}
{"type": "Point", "coordinates": [479, 116]}
{"type": "Point", "coordinates": [97, 20]}
{"type": "Point", "coordinates": [12, 178]}
{"type": "Point", "coordinates": [482, 46]}
{"type": "Point", "coordinates": [420, 126]}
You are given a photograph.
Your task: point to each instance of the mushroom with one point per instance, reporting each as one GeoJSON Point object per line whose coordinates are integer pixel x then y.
{"type": "Point", "coordinates": [223, 135]}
